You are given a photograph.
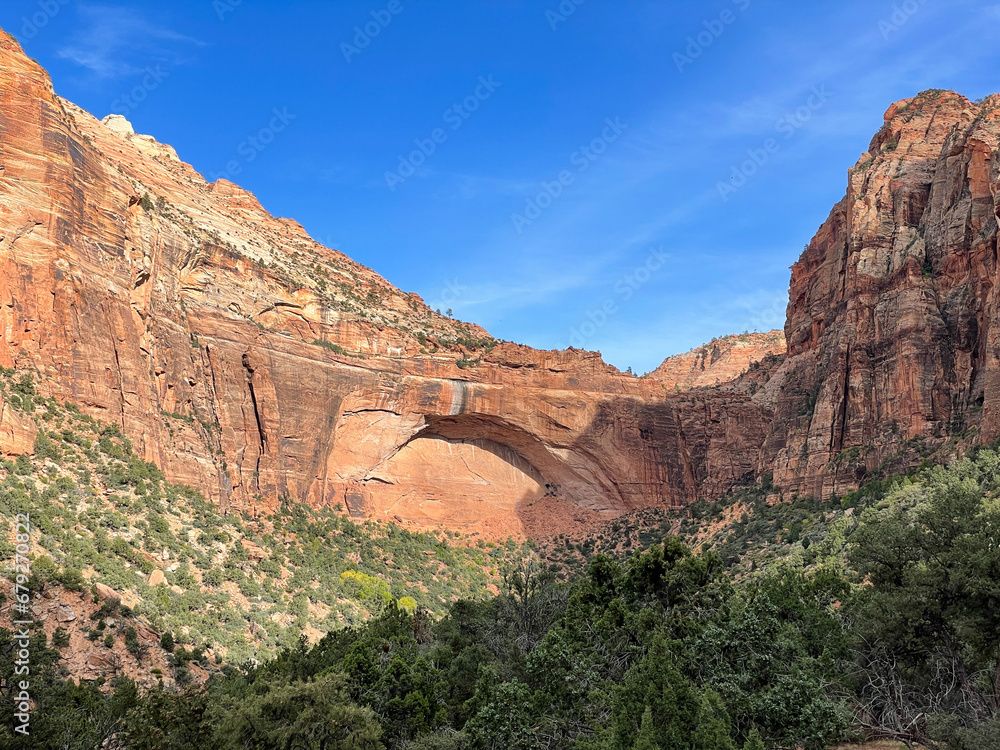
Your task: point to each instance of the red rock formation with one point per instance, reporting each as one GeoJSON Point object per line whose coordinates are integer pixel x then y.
{"type": "Point", "coordinates": [17, 434]}
{"type": "Point", "coordinates": [719, 361]}
{"type": "Point", "coordinates": [87, 660]}
{"type": "Point", "coordinates": [252, 362]}
{"type": "Point", "coordinates": [892, 327]}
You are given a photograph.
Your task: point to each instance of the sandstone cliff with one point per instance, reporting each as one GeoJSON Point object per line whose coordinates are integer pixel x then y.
{"type": "Point", "coordinates": [719, 361]}
{"type": "Point", "coordinates": [893, 337]}
{"type": "Point", "coordinates": [250, 361]}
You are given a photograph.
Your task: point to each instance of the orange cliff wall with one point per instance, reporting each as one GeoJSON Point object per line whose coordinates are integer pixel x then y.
{"type": "Point", "coordinates": [892, 327]}
{"type": "Point", "coordinates": [190, 318]}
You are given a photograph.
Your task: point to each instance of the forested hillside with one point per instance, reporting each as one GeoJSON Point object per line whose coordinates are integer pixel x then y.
{"type": "Point", "coordinates": [890, 632]}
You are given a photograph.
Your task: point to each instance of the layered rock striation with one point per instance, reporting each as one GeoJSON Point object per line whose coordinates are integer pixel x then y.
{"type": "Point", "coordinates": [892, 322]}
{"type": "Point", "coordinates": [252, 362]}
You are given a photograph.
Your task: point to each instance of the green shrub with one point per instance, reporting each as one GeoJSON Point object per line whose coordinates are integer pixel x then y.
{"type": "Point", "coordinates": [132, 640]}
{"type": "Point", "coordinates": [45, 448]}
{"type": "Point", "coordinates": [167, 641]}
{"type": "Point", "coordinates": [335, 348]}
{"type": "Point", "coordinates": [212, 577]}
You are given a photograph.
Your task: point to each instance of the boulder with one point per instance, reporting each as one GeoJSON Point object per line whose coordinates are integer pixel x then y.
{"type": "Point", "coordinates": [156, 577]}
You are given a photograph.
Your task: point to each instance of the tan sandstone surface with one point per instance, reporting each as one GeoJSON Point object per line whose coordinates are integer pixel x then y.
{"type": "Point", "coordinates": [718, 361]}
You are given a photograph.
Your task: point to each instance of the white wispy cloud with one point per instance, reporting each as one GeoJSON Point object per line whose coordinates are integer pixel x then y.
{"type": "Point", "coordinates": [113, 41]}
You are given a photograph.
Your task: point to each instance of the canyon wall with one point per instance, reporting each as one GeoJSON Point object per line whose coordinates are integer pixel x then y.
{"type": "Point", "coordinates": [719, 361]}
{"type": "Point", "coordinates": [251, 362]}
{"type": "Point", "coordinates": [892, 316]}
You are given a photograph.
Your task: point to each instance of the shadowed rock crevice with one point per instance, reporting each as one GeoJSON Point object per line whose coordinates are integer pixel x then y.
{"type": "Point", "coordinates": [679, 449]}
{"type": "Point", "coordinates": [258, 420]}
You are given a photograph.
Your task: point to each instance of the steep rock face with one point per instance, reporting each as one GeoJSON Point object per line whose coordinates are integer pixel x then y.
{"type": "Point", "coordinates": [251, 362]}
{"type": "Point", "coordinates": [17, 434]}
{"type": "Point", "coordinates": [892, 321]}
{"type": "Point", "coordinates": [719, 361]}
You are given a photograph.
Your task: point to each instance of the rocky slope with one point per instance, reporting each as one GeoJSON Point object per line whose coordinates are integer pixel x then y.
{"type": "Point", "coordinates": [91, 633]}
{"type": "Point", "coordinates": [251, 362]}
{"type": "Point", "coordinates": [892, 329]}
{"type": "Point", "coordinates": [719, 361]}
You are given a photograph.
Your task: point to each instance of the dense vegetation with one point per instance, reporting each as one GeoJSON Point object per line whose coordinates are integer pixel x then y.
{"type": "Point", "coordinates": [894, 635]}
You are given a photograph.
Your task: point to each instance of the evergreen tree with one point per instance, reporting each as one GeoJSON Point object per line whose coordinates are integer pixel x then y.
{"type": "Point", "coordinates": [646, 739]}
{"type": "Point", "coordinates": [754, 742]}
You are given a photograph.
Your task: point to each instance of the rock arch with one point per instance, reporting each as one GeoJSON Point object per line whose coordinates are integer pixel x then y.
{"type": "Point", "coordinates": [449, 463]}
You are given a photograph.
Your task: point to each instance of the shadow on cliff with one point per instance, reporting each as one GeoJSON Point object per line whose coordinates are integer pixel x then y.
{"type": "Point", "coordinates": [637, 454]}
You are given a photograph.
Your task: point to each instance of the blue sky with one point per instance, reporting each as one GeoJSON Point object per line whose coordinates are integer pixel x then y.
{"type": "Point", "coordinates": [532, 215]}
